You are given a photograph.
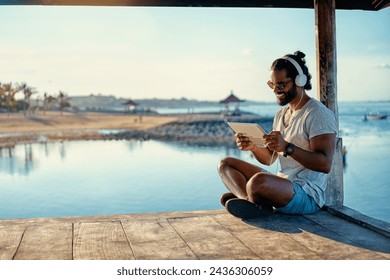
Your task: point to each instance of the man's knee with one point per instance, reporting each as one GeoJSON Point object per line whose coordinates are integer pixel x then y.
{"type": "Point", "coordinates": [225, 162]}
{"type": "Point", "coordinates": [258, 181]}
{"type": "Point", "coordinates": [258, 187]}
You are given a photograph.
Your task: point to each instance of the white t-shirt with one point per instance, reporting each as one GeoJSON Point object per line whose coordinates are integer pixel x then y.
{"type": "Point", "coordinates": [311, 120]}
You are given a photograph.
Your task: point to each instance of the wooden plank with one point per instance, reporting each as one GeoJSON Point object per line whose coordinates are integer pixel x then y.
{"type": "Point", "coordinates": [101, 241]}
{"type": "Point", "coordinates": [109, 218]}
{"type": "Point", "coordinates": [46, 242]}
{"type": "Point", "coordinates": [364, 237]}
{"type": "Point", "coordinates": [209, 240]}
{"type": "Point", "coordinates": [10, 238]}
{"type": "Point", "coordinates": [328, 244]}
{"type": "Point", "coordinates": [156, 239]}
{"type": "Point", "coordinates": [354, 216]}
{"type": "Point", "coordinates": [265, 240]}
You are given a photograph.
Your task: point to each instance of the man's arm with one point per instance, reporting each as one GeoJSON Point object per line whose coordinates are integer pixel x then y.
{"type": "Point", "coordinates": [262, 154]}
{"type": "Point", "coordinates": [320, 156]}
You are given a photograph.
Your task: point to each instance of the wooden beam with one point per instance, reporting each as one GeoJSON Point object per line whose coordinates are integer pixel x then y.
{"type": "Point", "coordinates": [326, 52]}
{"type": "Point", "coordinates": [300, 4]}
{"type": "Point", "coordinates": [334, 193]}
{"type": "Point", "coordinates": [325, 27]}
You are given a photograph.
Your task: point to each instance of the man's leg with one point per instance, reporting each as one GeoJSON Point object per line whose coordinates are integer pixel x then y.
{"type": "Point", "coordinates": [249, 182]}
{"type": "Point", "coordinates": [267, 188]}
{"type": "Point", "coordinates": [235, 174]}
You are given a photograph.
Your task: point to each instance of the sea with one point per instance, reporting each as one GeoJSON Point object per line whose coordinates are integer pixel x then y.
{"type": "Point", "coordinates": [83, 178]}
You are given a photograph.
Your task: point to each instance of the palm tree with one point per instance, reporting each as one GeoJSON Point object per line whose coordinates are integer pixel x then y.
{"type": "Point", "coordinates": [62, 101]}
{"type": "Point", "coordinates": [1, 95]}
{"type": "Point", "coordinates": [49, 100]}
{"type": "Point", "coordinates": [8, 96]}
{"type": "Point", "coordinates": [28, 92]}
{"type": "Point", "coordinates": [44, 102]}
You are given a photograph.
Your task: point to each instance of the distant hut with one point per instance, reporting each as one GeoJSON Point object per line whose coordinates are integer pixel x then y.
{"type": "Point", "coordinates": [130, 106]}
{"type": "Point", "coordinates": [232, 99]}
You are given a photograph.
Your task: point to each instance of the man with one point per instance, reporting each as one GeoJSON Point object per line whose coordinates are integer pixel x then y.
{"type": "Point", "coordinates": [303, 139]}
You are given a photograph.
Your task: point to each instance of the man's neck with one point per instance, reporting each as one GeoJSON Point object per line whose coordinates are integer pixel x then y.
{"type": "Point", "coordinates": [298, 101]}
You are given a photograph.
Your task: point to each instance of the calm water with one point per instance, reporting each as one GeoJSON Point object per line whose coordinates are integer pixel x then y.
{"type": "Point", "coordinates": [108, 177]}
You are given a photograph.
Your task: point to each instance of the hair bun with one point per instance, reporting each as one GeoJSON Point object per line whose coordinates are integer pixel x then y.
{"type": "Point", "coordinates": [300, 55]}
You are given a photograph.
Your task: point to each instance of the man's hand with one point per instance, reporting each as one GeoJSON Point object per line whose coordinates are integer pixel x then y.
{"type": "Point", "coordinates": [243, 142]}
{"type": "Point", "coordinates": [275, 141]}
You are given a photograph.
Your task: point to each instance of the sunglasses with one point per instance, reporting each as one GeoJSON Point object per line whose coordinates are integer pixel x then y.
{"type": "Point", "coordinates": [279, 85]}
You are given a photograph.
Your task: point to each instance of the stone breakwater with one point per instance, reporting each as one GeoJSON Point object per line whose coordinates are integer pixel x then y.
{"type": "Point", "coordinates": [199, 132]}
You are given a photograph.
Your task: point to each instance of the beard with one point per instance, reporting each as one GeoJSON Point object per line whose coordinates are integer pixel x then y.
{"type": "Point", "coordinates": [288, 96]}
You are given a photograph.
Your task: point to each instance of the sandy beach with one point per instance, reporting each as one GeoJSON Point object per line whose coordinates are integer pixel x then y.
{"type": "Point", "coordinates": [16, 128]}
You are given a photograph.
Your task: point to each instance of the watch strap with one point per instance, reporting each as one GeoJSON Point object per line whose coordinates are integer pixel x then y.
{"type": "Point", "coordinates": [289, 150]}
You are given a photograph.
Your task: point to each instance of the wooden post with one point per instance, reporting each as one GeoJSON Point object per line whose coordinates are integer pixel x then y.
{"type": "Point", "coordinates": [325, 24]}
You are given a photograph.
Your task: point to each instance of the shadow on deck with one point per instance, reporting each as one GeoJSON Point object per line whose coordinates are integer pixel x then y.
{"type": "Point", "coordinates": [206, 235]}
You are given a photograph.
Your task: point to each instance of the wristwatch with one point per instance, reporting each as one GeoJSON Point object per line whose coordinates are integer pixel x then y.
{"type": "Point", "coordinates": [289, 150]}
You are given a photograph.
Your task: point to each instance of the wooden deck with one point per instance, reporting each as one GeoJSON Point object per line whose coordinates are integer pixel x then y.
{"type": "Point", "coordinates": [190, 235]}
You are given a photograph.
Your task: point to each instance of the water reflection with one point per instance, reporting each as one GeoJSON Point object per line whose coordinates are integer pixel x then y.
{"type": "Point", "coordinates": [132, 145]}
{"type": "Point", "coordinates": [108, 177]}
{"type": "Point", "coordinates": [22, 159]}
{"type": "Point", "coordinates": [17, 160]}
{"type": "Point", "coordinates": [62, 150]}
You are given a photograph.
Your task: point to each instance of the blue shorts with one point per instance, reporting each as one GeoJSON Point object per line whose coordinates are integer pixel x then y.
{"type": "Point", "coordinates": [301, 203]}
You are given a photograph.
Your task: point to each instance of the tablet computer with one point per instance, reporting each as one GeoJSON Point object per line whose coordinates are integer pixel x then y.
{"type": "Point", "coordinates": [251, 130]}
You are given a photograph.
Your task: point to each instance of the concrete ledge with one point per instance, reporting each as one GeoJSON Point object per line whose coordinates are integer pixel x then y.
{"type": "Point", "coordinates": [356, 217]}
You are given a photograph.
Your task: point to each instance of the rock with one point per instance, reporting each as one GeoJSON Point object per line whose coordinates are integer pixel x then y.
{"type": "Point", "coordinates": [200, 132]}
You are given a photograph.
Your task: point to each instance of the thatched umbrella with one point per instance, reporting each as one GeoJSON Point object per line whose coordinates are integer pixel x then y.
{"type": "Point", "coordinates": [130, 105]}
{"type": "Point", "coordinates": [232, 99]}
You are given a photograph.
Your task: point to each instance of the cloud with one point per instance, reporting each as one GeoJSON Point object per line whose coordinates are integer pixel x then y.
{"type": "Point", "coordinates": [384, 66]}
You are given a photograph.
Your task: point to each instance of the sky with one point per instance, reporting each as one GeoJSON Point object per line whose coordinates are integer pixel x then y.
{"type": "Point", "coordinates": [195, 53]}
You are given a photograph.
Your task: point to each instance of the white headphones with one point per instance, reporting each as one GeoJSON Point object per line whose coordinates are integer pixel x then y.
{"type": "Point", "coordinates": [301, 79]}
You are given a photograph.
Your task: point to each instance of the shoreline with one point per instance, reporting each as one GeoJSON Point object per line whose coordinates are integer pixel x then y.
{"type": "Point", "coordinates": [51, 121]}
{"type": "Point", "coordinates": [203, 129]}
{"type": "Point", "coordinates": [17, 129]}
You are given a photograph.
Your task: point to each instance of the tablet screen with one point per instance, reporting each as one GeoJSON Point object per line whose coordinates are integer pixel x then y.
{"type": "Point", "coordinates": [251, 130]}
